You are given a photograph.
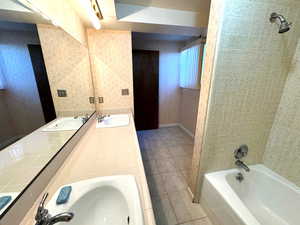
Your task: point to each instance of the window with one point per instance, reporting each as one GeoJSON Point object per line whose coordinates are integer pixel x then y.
{"type": "Point", "coordinates": [190, 74]}
{"type": "Point", "coordinates": [1, 80]}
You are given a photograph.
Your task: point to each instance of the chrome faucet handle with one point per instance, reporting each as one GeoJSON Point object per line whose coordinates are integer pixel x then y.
{"type": "Point", "coordinates": [241, 152]}
{"type": "Point", "coordinates": [42, 213]}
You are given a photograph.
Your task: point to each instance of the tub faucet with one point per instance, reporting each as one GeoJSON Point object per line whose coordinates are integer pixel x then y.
{"type": "Point", "coordinates": [43, 217]}
{"type": "Point", "coordinates": [241, 164]}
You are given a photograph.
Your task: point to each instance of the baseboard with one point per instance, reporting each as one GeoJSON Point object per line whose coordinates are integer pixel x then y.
{"type": "Point", "coordinates": [169, 125]}
{"type": "Point", "coordinates": [186, 130]}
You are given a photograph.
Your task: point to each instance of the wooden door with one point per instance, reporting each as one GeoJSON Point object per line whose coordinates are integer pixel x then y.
{"type": "Point", "coordinates": [145, 85]}
{"type": "Point", "coordinates": [42, 82]}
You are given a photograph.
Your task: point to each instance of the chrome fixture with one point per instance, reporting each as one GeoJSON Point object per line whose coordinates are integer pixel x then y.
{"type": "Point", "coordinates": [239, 177]}
{"type": "Point", "coordinates": [240, 153]}
{"type": "Point", "coordinates": [242, 165]}
{"type": "Point", "coordinates": [283, 24]}
{"type": "Point", "coordinates": [102, 117]}
{"type": "Point", "coordinates": [43, 217]}
{"type": "Point", "coordinates": [85, 118]}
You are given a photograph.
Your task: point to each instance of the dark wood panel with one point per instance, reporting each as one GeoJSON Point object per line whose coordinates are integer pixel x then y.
{"type": "Point", "coordinates": [42, 82]}
{"type": "Point", "coordinates": [146, 84]}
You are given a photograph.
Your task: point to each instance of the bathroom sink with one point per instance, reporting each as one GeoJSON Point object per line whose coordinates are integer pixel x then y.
{"type": "Point", "coordinates": [65, 123]}
{"type": "Point", "coordinates": [116, 120]}
{"type": "Point", "coordinates": [102, 201]}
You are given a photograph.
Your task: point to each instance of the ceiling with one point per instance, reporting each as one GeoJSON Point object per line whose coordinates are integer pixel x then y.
{"type": "Point", "coordinates": [162, 37]}
{"type": "Point", "coordinates": [189, 5]}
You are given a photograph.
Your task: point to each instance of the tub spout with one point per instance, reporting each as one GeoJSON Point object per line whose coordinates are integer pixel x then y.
{"type": "Point", "coordinates": [241, 164]}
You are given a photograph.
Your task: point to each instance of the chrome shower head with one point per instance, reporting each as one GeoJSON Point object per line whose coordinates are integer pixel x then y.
{"type": "Point", "coordinates": [284, 26]}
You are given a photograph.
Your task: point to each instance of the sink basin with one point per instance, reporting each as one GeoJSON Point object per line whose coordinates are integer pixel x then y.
{"type": "Point", "coordinates": [116, 120]}
{"type": "Point", "coordinates": [65, 123]}
{"type": "Point", "coordinates": [112, 200]}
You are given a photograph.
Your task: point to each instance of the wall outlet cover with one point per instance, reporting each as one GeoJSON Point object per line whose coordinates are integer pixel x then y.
{"type": "Point", "coordinates": [100, 99]}
{"type": "Point", "coordinates": [125, 91]}
{"type": "Point", "coordinates": [92, 100]}
{"type": "Point", "coordinates": [61, 93]}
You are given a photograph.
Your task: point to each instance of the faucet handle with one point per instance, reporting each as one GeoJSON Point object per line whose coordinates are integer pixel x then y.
{"type": "Point", "coordinates": [241, 152]}
{"type": "Point", "coordinates": [42, 202]}
{"type": "Point", "coordinates": [41, 211]}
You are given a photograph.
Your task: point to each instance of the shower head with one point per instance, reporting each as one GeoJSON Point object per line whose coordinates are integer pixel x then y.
{"type": "Point", "coordinates": [284, 26]}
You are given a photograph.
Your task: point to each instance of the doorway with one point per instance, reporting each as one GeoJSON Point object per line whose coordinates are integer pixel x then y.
{"type": "Point", "coordinates": [42, 82]}
{"type": "Point", "coordinates": [145, 86]}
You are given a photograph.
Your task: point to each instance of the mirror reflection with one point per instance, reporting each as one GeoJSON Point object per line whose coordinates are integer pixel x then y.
{"type": "Point", "coordinates": [46, 95]}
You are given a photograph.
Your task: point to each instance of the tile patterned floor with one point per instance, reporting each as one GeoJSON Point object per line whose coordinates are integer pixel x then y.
{"type": "Point", "coordinates": [167, 156]}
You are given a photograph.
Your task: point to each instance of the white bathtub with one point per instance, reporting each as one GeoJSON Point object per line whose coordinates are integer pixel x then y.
{"type": "Point", "coordinates": [262, 198]}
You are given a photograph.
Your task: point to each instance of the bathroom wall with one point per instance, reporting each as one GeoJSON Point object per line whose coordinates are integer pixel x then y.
{"type": "Point", "coordinates": [283, 148]}
{"type": "Point", "coordinates": [111, 59]}
{"type": "Point", "coordinates": [62, 13]}
{"type": "Point", "coordinates": [21, 95]}
{"type": "Point", "coordinates": [244, 80]}
{"type": "Point", "coordinates": [189, 102]}
{"type": "Point", "coordinates": [68, 67]}
{"type": "Point", "coordinates": [169, 91]}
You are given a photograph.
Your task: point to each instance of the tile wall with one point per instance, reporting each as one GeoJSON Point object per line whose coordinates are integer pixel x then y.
{"type": "Point", "coordinates": [245, 81]}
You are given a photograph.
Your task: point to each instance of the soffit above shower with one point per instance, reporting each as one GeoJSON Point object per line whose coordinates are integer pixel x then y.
{"type": "Point", "coordinates": [186, 19]}
{"type": "Point", "coordinates": [190, 5]}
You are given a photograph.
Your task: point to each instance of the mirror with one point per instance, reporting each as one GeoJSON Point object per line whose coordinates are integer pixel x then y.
{"type": "Point", "coordinates": [46, 95]}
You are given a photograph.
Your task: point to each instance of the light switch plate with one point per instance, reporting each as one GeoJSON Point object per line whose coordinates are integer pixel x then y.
{"type": "Point", "coordinates": [92, 100]}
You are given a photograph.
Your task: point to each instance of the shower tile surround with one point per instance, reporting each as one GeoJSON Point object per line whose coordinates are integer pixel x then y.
{"type": "Point", "coordinates": [243, 84]}
{"type": "Point", "coordinates": [167, 155]}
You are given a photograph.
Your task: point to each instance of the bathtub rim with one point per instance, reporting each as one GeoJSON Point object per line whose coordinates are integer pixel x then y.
{"type": "Point", "coordinates": [220, 184]}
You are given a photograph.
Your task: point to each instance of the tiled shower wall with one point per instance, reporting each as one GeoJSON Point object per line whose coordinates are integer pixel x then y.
{"type": "Point", "coordinates": [283, 149]}
{"type": "Point", "coordinates": [250, 70]}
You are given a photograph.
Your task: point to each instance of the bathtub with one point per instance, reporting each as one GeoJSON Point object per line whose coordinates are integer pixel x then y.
{"type": "Point", "coordinates": [262, 198]}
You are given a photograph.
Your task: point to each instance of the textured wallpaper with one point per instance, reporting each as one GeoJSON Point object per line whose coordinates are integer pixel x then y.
{"type": "Point", "coordinates": [189, 102]}
{"type": "Point", "coordinates": [250, 70]}
{"type": "Point", "coordinates": [111, 59]}
{"type": "Point", "coordinates": [68, 67]}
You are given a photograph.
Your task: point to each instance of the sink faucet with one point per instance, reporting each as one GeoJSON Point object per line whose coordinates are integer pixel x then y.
{"type": "Point", "coordinates": [102, 117]}
{"type": "Point", "coordinates": [85, 118]}
{"type": "Point", "coordinates": [43, 217]}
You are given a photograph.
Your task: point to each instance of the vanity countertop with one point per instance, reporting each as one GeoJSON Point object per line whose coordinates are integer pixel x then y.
{"type": "Point", "coordinates": [102, 152]}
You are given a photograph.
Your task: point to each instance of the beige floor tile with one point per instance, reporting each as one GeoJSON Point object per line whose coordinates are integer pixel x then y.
{"type": "Point", "coordinates": [163, 211]}
{"type": "Point", "coordinates": [161, 153]}
{"type": "Point", "coordinates": [183, 162]}
{"type": "Point", "coordinates": [184, 209]}
{"type": "Point", "coordinates": [156, 185]}
{"type": "Point", "coordinates": [166, 165]}
{"type": "Point", "coordinates": [187, 176]}
{"type": "Point", "coordinates": [151, 166]}
{"type": "Point", "coordinates": [204, 221]}
{"type": "Point", "coordinates": [179, 150]}
{"type": "Point", "coordinates": [173, 182]}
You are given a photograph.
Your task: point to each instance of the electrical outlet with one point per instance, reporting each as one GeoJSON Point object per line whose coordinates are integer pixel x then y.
{"type": "Point", "coordinates": [61, 93]}
{"type": "Point", "coordinates": [125, 91]}
{"type": "Point", "coordinates": [100, 100]}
